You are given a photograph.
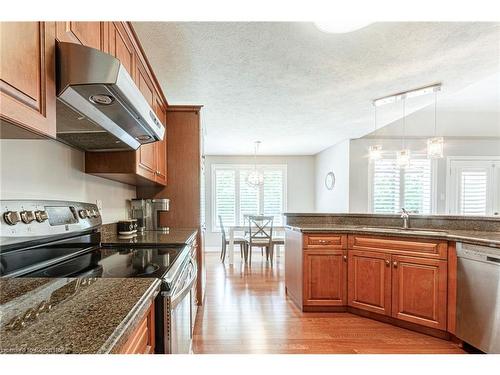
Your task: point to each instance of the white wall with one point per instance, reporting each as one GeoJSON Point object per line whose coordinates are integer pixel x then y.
{"type": "Point", "coordinates": [46, 169]}
{"type": "Point", "coordinates": [300, 185]}
{"type": "Point", "coordinates": [336, 159]}
{"type": "Point", "coordinates": [359, 163]}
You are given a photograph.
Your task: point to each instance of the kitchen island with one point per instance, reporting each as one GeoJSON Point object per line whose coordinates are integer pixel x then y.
{"type": "Point", "coordinates": [77, 315]}
{"type": "Point", "coordinates": [371, 266]}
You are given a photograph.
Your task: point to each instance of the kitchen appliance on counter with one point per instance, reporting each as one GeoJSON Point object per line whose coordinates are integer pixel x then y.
{"type": "Point", "coordinates": [62, 239]}
{"type": "Point", "coordinates": [149, 213]}
{"type": "Point", "coordinates": [99, 107]}
{"type": "Point", "coordinates": [478, 297]}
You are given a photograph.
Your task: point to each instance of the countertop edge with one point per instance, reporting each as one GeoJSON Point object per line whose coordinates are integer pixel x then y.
{"type": "Point", "coordinates": [445, 236]}
{"type": "Point", "coordinates": [122, 332]}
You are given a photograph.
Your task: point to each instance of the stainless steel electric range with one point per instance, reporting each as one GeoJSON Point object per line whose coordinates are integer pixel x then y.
{"type": "Point", "coordinates": [63, 239]}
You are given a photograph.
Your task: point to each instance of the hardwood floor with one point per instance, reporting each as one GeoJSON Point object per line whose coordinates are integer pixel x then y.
{"type": "Point", "coordinates": [246, 311]}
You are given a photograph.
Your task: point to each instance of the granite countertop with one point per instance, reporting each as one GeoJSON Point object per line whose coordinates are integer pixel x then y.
{"type": "Point", "coordinates": [174, 236]}
{"type": "Point", "coordinates": [69, 315]}
{"type": "Point", "coordinates": [491, 239]}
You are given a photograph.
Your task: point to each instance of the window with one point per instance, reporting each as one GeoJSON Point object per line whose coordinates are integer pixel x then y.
{"type": "Point", "coordinates": [473, 186]}
{"type": "Point", "coordinates": [233, 198]}
{"type": "Point", "coordinates": [393, 188]}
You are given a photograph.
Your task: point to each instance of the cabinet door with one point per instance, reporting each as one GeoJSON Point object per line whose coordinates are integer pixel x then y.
{"type": "Point", "coordinates": [419, 288]}
{"type": "Point", "coordinates": [161, 146]}
{"type": "Point", "coordinates": [146, 161]}
{"type": "Point", "coordinates": [120, 46]}
{"type": "Point", "coordinates": [27, 75]}
{"type": "Point", "coordinates": [325, 277]}
{"type": "Point", "coordinates": [90, 34]}
{"type": "Point", "coordinates": [369, 281]}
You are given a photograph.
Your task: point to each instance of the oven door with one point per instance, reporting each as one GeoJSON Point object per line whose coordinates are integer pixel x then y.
{"type": "Point", "coordinates": [179, 325]}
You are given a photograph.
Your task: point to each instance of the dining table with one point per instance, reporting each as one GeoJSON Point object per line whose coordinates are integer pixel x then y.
{"type": "Point", "coordinates": [241, 228]}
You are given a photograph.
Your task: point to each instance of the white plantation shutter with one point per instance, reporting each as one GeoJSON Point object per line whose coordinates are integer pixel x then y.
{"type": "Point", "coordinates": [394, 187]}
{"type": "Point", "coordinates": [248, 197]}
{"type": "Point", "coordinates": [386, 186]}
{"type": "Point", "coordinates": [417, 186]}
{"type": "Point", "coordinates": [225, 196]}
{"type": "Point", "coordinates": [473, 191]}
{"type": "Point", "coordinates": [234, 198]}
{"type": "Point", "coordinates": [273, 195]}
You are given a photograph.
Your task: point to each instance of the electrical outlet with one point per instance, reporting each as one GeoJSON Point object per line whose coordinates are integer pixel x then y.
{"type": "Point", "coordinates": [98, 203]}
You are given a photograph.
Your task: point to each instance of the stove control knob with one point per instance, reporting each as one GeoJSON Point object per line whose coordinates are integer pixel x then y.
{"type": "Point", "coordinates": [83, 214]}
{"type": "Point", "coordinates": [27, 216]}
{"type": "Point", "coordinates": [96, 213]}
{"type": "Point", "coordinates": [11, 217]}
{"type": "Point", "coordinates": [41, 216]}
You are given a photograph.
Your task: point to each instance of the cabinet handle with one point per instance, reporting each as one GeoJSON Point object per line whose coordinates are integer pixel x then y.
{"type": "Point", "coordinates": [345, 258]}
{"type": "Point", "coordinates": [387, 263]}
{"type": "Point", "coordinates": [395, 264]}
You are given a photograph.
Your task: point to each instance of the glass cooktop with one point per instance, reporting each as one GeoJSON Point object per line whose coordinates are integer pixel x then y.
{"type": "Point", "coordinates": [115, 263]}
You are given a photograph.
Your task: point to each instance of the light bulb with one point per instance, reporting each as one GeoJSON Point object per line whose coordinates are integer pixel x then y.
{"type": "Point", "coordinates": [375, 152]}
{"type": "Point", "coordinates": [403, 158]}
{"type": "Point", "coordinates": [435, 147]}
{"type": "Point", "coordinates": [255, 178]}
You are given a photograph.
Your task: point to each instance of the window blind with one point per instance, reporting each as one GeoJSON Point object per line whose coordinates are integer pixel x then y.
{"type": "Point", "coordinates": [234, 198]}
{"type": "Point", "coordinates": [473, 188]}
{"type": "Point", "coordinates": [394, 187]}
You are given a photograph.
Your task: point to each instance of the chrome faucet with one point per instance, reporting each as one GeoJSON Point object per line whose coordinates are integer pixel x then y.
{"type": "Point", "coordinates": [405, 215]}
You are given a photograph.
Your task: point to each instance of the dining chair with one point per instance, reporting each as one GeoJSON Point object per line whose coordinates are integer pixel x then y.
{"type": "Point", "coordinates": [225, 241]}
{"type": "Point", "coordinates": [260, 234]}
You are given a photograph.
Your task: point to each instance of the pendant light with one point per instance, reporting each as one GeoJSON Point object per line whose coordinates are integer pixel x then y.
{"type": "Point", "coordinates": [403, 155]}
{"type": "Point", "coordinates": [435, 145]}
{"type": "Point", "coordinates": [255, 178]}
{"type": "Point", "coordinates": [375, 151]}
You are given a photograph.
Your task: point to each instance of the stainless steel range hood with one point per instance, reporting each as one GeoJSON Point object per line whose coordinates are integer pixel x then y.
{"type": "Point", "coordinates": [99, 107]}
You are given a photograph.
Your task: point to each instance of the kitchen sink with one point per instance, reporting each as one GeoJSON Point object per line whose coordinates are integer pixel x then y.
{"type": "Point", "coordinates": [403, 230]}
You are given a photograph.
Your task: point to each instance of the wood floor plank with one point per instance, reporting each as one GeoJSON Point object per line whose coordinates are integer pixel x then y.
{"type": "Point", "coordinates": [246, 311]}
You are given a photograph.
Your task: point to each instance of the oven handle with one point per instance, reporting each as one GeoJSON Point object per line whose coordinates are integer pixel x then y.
{"type": "Point", "coordinates": [176, 298]}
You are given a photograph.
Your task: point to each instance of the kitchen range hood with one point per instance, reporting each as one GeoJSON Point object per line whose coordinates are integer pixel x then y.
{"type": "Point", "coordinates": [99, 107]}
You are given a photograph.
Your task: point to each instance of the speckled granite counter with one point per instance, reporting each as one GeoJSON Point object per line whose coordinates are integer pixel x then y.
{"type": "Point", "coordinates": [475, 237]}
{"type": "Point", "coordinates": [68, 315]}
{"type": "Point", "coordinates": [175, 237]}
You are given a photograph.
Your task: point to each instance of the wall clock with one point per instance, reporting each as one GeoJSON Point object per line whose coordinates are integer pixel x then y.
{"type": "Point", "coordinates": [330, 180]}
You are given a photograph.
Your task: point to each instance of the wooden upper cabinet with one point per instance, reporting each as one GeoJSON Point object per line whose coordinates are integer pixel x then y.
{"type": "Point", "coordinates": [119, 44]}
{"type": "Point", "coordinates": [90, 34]}
{"type": "Point", "coordinates": [325, 278]}
{"type": "Point", "coordinates": [146, 161]}
{"type": "Point", "coordinates": [419, 290]}
{"type": "Point", "coordinates": [161, 146]}
{"type": "Point", "coordinates": [27, 76]}
{"type": "Point", "coordinates": [369, 281]}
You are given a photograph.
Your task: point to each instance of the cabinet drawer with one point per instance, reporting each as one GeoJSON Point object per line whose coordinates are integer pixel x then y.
{"type": "Point", "coordinates": [398, 245]}
{"type": "Point", "coordinates": [328, 241]}
{"type": "Point", "coordinates": [142, 340]}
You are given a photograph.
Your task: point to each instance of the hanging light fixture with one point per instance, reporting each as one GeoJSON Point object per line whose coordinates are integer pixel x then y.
{"type": "Point", "coordinates": [375, 151]}
{"type": "Point", "coordinates": [435, 145]}
{"type": "Point", "coordinates": [403, 155]}
{"type": "Point", "coordinates": [255, 178]}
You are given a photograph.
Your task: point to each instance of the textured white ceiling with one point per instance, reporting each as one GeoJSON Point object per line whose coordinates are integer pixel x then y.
{"type": "Point", "coordinates": [300, 90]}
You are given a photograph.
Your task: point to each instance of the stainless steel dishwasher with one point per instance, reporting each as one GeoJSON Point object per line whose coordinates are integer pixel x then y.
{"type": "Point", "coordinates": [478, 296]}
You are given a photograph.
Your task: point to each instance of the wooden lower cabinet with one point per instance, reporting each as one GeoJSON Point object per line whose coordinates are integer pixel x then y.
{"type": "Point", "coordinates": [142, 340]}
{"type": "Point", "coordinates": [369, 281]}
{"type": "Point", "coordinates": [325, 277]}
{"type": "Point", "coordinates": [419, 290]}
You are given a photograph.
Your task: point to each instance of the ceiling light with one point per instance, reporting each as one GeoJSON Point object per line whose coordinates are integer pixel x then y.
{"type": "Point", "coordinates": [403, 155]}
{"type": "Point", "coordinates": [435, 145]}
{"type": "Point", "coordinates": [340, 27]}
{"type": "Point", "coordinates": [255, 178]}
{"type": "Point", "coordinates": [407, 94]}
{"type": "Point", "coordinates": [375, 151]}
